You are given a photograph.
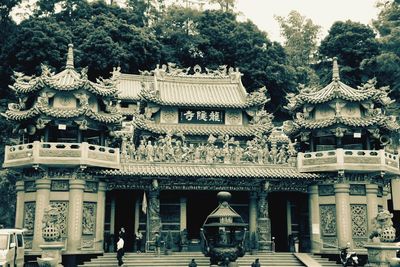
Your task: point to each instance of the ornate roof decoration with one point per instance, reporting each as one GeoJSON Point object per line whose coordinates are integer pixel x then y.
{"type": "Point", "coordinates": [220, 88]}
{"type": "Point", "coordinates": [203, 129]}
{"type": "Point", "coordinates": [372, 102]}
{"type": "Point", "coordinates": [388, 122]}
{"type": "Point", "coordinates": [67, 80]}
{"type": "Point", "coordinates": [217, 170]}
{"type": "Point", "coordinates": [42, 107]}
{"type": "Point", "coordinates": [338, 90]}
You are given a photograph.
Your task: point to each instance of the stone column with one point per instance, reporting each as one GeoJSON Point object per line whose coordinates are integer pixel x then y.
{"type": "Point", "coordinates": [42, 201]}
{"type": "Point", "coordinates": [313, 206]}
{"type": "Point", "coordinates": [101, 207]}
{"type": "Point", "coordinates": [395, 184]}
{"type": "Point", "coordinates": [343, 216]}
{"type": "Point", "coordinates": [372, 203]}
{"type": "Point", "coordinates": [183, 220]}
{"type": "Point", "coordinates": [252, 213]}
{"type": "Point", "coordinates": [154, 210]}
{"type": "Point", "coordinates": [75, 213]}
{"type": "Point", "coordinates": [263, 222]}
{"type": "Point", "coordinates": [19, 213]}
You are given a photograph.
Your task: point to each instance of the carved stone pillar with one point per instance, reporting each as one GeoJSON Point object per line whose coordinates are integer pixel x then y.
{"type": "Point", "coordinates": [252, 213]}
{"type": "Point", "coordinates": [372, 204]}
{"type": "Point", "coordinates": [396, 193]}
{"type": "Point", "coordinates": [75, 212]}
{"type": "Point", "coordinates": [313, 206]}
{"type": "Point", "coordinates": [42, 201]}
{"type": "Point", "coordinates": [101, 207]}
{"type": "Point", "coordinates": [19, 213]}
{"type": "Point", "coordinates": [343, 216]}
{"type": "Point", "coordinates": [183, 219]}
{"type": "Point", "coordinates": [263, 222]}
{"type": "Point", "coordinates": [154, 210]}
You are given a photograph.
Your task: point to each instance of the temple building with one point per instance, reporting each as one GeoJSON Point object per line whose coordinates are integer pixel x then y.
{"type": "Point", "coordinates": [149, 152]}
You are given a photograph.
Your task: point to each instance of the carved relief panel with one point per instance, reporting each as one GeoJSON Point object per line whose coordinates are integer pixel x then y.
{"type": "Point", "coordinates": [89, 218]}
{"type": "Point", "coordinates": [359, 224]}
{"type": "Point", "coordinates": [169, 115]}
{"type": "Point", "coordinates": [29, 217]}
{"type": "Point", "coordinates": [62, 208]}
{"type": "Point", "coordinates": [233, 117]}
{"type": "Point", "coordinates": [328, 220]}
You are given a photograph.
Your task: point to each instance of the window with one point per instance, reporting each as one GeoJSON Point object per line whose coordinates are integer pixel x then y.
{"type": "Point", "coordinates": [20, 241]}
{"type": "Point", "coordinates": [12, 239]}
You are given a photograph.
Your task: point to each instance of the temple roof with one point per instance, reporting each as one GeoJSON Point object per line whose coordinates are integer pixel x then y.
{"type": "Point", "coordinates": [202, 129]}
{"type": "Point", "coordinates": [381, 120]}
{"type": "Point", "coordinates": [169, 86]}
{"type": "Point", "coordinates": [67, 80]}
{"type": "Point", "coordinates": [42, 108]}
{"type": "Point", "coordinates": [130, 85]}
{"type": "Point", "coordinates": [338, 90]}
{"type": "Point", "coordinates": [216, 170]}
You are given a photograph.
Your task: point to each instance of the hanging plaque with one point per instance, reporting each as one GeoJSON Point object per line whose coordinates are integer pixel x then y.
{"type": "Point", "coordinates": [201, 116]}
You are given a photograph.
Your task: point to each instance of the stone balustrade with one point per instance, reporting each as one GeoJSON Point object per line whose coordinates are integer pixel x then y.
{"type": "Point", "coordinates": [63, 154]}
{"type": "Point", "coordinates": [350, 160]}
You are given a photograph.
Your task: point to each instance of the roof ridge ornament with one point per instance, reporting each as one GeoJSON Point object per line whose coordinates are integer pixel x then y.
{"type": "Point", "coordinates": [335, 70]}
{"type": "Point", "coordinates": [70, 57]}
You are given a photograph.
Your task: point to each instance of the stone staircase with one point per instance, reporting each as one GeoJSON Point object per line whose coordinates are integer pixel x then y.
{"type": "Point", "coordinates": [324, 261]}
{"type": "Point", "coordinates": [183, 258]}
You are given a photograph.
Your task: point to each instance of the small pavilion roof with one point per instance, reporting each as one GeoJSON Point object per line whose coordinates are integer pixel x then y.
{"type": "Point", "coordinates": [67, 80]}
{"type": "Point", "coordinates": [338, 90]}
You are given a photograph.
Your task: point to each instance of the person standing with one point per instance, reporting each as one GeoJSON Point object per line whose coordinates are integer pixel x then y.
{"type": "Point", "coordinates": [139, 238]}
{"type": "Point", "coordinates": [157, 243]}
{"type": "Point", "coordinates": [192, 263]}
{"type": "Point", "coordinates": [120, 251]}
{"type": "Point", "coordinates": [256, 263]}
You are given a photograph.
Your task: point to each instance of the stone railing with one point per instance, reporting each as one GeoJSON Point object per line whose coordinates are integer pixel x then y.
{"type": "Point", "coordinates": [351, 160]}
{"type": "Point", "coordinates": [45, 153]}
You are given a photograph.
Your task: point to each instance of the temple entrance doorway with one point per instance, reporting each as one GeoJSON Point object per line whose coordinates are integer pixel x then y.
{"type": "Point", "coordinates": [120, 212]}
{"type": "Point", "coordinates": [288, 212]}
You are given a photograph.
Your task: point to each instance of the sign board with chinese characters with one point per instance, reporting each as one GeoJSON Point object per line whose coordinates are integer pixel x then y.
{"type": "Point", "coordinates": [201, 116]}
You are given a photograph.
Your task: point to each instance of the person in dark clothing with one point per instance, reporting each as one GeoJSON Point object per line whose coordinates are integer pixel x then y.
{"type": "Point", "coordinates": [256, 263]}
{"type": "Point", "coordinates": [157, 243]}
{"type": "Point", "coordinates": [120, 250]}
{"type": "Point", "coordinates": [139, 238]}
{"type": "Point", "coordinates": [192, 263]}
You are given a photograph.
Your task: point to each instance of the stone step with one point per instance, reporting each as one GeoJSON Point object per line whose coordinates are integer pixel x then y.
{"type": "Point", "coordinates": [183, 258]}
{"type": "Point", "coordinates": [325, 262]}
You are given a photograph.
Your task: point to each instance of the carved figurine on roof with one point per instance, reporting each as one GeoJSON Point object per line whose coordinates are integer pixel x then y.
{"type": "Point", "coordinates": [339, 116]}
{"type": "Point", "coordinates": [65, 106]}
{"type": "Point", "coordinates": [201, 102]}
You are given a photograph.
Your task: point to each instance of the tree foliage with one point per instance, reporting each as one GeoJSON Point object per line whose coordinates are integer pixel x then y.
{"type": "Point", "coordinates": [300, 35]}
{"type": "Point", "coordinates": [352, 43]}
{"type": "Point", "coordinates": [386, 65]}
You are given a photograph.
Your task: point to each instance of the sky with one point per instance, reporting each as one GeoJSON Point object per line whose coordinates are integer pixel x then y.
{"type": "Point", "coordinates": [321, 12]}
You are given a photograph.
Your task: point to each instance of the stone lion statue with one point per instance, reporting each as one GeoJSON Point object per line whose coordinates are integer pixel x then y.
{"type": "Point", "coordinates": [383, 227]}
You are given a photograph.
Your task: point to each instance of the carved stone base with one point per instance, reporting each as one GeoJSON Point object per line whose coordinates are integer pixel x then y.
{"type": "Point", "coordinates": [380, 254]}
{"type": "Point", "coordinates": [51, 254]}
{"type": "Point", "coordinates": [264, 234]}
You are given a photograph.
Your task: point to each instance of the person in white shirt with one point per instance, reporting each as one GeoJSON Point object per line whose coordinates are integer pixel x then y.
{"type": "Point", "coordinates": [120, 251]}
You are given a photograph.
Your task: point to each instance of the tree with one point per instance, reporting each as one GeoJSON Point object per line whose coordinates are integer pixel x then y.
{"type": "Point", "coordinates": [300, 45]}
{"type": "Point", "coordinates": [351, 42]}
{"type": "Point", "coordinates": [386, 65]}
